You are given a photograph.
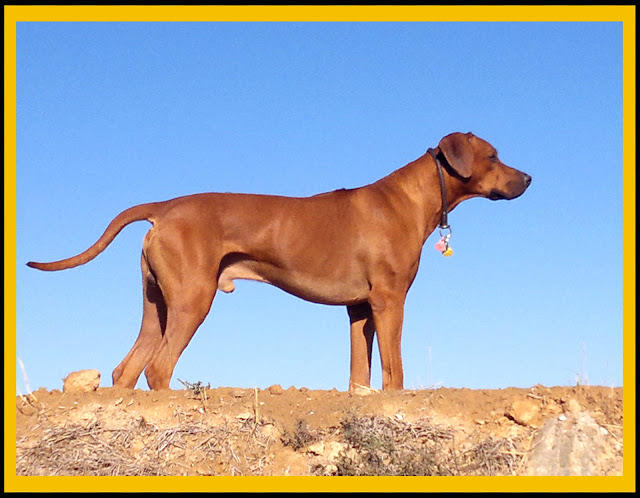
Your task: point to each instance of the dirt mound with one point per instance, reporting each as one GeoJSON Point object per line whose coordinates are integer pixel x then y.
{"type": "Point", "coordinates": [279, 432]}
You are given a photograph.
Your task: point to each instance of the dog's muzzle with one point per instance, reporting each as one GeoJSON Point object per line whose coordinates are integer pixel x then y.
{"type": "Point", "coordinates": [515, 191]}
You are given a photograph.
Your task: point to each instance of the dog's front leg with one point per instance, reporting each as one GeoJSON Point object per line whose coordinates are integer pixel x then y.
{"type": "Point", "coordinates": [388, 313]}
{"type": "Point", "coordinates": [362, 332]}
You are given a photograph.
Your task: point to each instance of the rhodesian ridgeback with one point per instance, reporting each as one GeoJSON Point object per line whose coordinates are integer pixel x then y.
{"type": "Point", "coordinates": [355, 247]}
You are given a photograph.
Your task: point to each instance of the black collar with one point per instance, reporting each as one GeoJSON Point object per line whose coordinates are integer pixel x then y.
{"type": "Point", "coordinates": [443, 223]}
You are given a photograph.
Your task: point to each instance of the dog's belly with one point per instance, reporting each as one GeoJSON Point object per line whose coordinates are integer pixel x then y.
{"type": "Point", "coordinates": [339, 289]}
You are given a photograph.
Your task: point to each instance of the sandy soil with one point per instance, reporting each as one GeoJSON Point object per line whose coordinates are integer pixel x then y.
{"type": "Point", "coordinates": [297, 431]}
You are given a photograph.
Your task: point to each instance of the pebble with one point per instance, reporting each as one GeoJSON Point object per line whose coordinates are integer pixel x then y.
{"type": "Point", "coordinates": [275, 389]}
{"type": "Point", "coordinates": [524, 412]}
{"type": "Point", "coordinates": [81, 381]}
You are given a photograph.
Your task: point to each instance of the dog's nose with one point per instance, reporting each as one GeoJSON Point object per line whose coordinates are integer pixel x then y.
{"type": "Point", "coordinates": [527, 180]}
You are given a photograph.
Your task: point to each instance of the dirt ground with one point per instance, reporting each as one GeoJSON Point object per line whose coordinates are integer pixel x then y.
{"type": "Point", "coordinates": [297, 431]}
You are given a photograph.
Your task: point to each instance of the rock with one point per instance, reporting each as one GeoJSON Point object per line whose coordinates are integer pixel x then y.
{"type": "Point", "coordinates": [270, 431]}
{"type": "Point", "coordinates": [573, 445]}
{"type": "Point", "coordinates": [573, 406]}
{"type": "Point", "coordinates": [316, 448]}
{"type": "Point", "coordinates": [541, 390]}
{"type": "Point", "coordinates": [524, 412]}
{"type": "Point", "coordinates": [81, 381]}
{"type": "Point", "coordinates": [363, 390]}
{"type": "Point", "coordinates": [328, 450]}
{"type": "Point", "coordinates": [275, 389]}
{"type": "Point", "coordinates": [333, 449]}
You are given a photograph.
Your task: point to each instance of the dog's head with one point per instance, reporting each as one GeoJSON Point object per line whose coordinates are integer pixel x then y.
{"type": "Point", "coordinates": [475, 163]}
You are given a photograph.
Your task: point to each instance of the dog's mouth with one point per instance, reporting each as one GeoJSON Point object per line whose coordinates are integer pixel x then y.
{"type": "Point", "coordinates": [513, 190]}
{"type": "Point", "coordinates": [496, 195]}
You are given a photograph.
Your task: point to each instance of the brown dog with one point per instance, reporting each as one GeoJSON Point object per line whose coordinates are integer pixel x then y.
{"type": "Point", "coordinates": [359, 247]}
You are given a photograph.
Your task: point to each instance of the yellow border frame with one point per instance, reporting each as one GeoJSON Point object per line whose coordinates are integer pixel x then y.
{"type": "Point", "coordinates": [623, 14]}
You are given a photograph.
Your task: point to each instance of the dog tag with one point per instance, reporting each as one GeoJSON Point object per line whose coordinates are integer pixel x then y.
{"type": "Point", "coordinates": [443, 246]}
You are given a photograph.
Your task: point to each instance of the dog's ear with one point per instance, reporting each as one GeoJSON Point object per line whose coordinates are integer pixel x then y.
{"type": "Point", "coordinates": [458, 152]}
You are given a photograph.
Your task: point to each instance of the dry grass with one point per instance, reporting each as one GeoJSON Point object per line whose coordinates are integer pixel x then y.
{"type": "Point", "coordinates": [140, 450]}
{"type": "Point", "coordinates": [375, 446]}
{"type": "Point", "coordinates": [389, 447]}
{"type": "Point", "coordinates": [300, 437]}
{"type": "Point", "coordinates": [224, 432]}
{"type": "Point", "coordinates": [79, 451]}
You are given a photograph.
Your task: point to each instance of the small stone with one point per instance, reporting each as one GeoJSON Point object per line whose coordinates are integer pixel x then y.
{"type": "Point", "coordinates": [316, 448]}
{"type": "Point", "coordinates": [275, 389]}
{"type": "Point", "coordinates": [333, 449]}
{"type": "Point", "coordinates": [81, 381]}
{"type": "Point", "coordinates": [271, 431]}
{"type": "Point", "coordinates": [328, 450]}
{"type": "Point", "coordinates": [573, 406]}
{"type": "Point", "coordinates": [364, 391]}
{"type": "Point", "coordinates": [524, 411]}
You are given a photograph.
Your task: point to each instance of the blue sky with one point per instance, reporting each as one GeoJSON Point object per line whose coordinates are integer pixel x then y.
{"type": "Point", "coordinates": [110, 115]}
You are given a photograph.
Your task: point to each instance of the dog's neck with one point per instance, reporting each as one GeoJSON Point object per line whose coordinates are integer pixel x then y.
{"type": "Point", "coordinates": [418, 178]}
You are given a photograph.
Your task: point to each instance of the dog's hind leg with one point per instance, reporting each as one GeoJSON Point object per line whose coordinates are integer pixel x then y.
{"type": "Point", "coordinates": [154, 320]}
{"type": "Point", "coordinates": [185, 312]}
{"type": "Point", "coordinates": [185, 266]}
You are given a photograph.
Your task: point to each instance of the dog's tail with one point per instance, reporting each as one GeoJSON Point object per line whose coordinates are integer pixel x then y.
{"type": "Point", "coordinates": [136, 213]}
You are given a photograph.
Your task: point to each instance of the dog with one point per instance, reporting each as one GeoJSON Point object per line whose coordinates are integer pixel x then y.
{"type": "Point", "coordinates": [354, 247]}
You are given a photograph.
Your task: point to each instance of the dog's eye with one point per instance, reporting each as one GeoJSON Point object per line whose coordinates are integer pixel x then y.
{"type": "Point", "coordinates": [493, 158]}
